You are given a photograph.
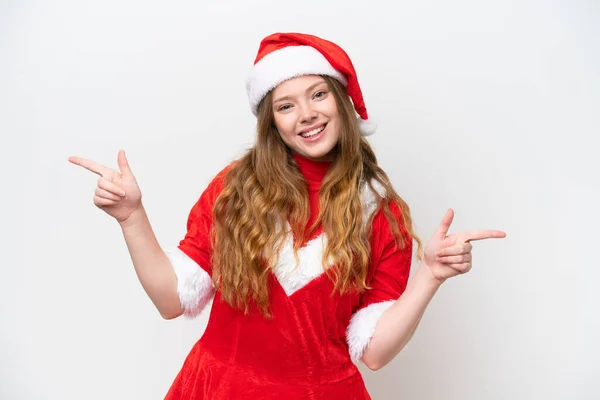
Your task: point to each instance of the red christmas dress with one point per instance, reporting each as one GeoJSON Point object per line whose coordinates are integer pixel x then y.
{"type": "Point", "coordinates": [309, 348]}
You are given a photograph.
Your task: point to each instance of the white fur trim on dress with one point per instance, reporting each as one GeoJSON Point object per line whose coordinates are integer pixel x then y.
{"type": "Point", "coordinates": [361, 328]}
{"type": "Point", "coordinates": [370, 200]}
{"type": "Point", "coordinates": [283, 64]}
{"type": "Point", "coordinates": [292, 278]}
{"type": "Point", "coordinates": [194, 285]}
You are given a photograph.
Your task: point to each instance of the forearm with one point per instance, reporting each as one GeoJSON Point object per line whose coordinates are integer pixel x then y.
{"type": "Point", "coordinates": [397, 324]}
{"type": "Point", "coordinates": [151, 264]}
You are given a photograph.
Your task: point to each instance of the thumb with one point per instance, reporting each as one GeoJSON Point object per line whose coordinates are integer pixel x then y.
{"type": "Point", "coordinates": [446, 222]}
{"type": "Point", "coordinates": [124, 164]}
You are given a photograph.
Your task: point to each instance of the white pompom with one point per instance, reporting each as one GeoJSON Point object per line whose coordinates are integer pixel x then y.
{"type": "Point", "coordinates": [367, 127]}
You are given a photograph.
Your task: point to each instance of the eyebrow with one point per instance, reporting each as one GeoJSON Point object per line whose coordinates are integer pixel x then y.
{"type": "Point", "coordinates": [311, 87]}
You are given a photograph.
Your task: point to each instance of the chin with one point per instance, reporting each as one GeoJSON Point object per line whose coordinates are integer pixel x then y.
{"type": "Point", "coordinates": [319, 155]}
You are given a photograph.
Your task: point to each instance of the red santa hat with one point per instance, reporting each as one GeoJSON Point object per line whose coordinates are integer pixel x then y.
{"type": "Point", "coordinates": [282, 56]}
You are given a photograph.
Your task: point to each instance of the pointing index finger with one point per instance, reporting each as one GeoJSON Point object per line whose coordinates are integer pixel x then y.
{"type": "Point", "coordinates": [482, 234]}
{"type": "Point", "coordinates": [90, 165]}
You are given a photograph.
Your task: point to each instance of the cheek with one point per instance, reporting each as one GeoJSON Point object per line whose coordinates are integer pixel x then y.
{"type": "Point", "coordinates": [285, 126]}
{"type": "Point", "coordinates": [330, 107]}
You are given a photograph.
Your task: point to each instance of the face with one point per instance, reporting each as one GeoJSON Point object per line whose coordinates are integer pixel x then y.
{"type": "Point", "coordinates": [307, 117]}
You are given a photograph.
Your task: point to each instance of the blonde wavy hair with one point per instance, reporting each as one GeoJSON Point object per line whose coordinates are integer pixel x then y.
{"type": "Point", "coordinates": [264, 191]}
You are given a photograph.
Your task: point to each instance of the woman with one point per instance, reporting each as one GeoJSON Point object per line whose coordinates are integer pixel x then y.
{"type": "Point", "coordinates": [303, 243]}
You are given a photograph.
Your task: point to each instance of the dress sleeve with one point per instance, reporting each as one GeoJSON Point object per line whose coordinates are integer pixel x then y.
{"type": "Point", "coordinates": [191, 259]}
{"type": "Point", "coordinates": [389, 271]}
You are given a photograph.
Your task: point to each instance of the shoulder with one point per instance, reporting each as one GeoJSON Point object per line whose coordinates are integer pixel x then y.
{"type": "Point", "coordinates": [371, 195]}
{"type": "Point", "coordinates": [387, 214]}
{"type": "Point", "coordinates": [374, 197]}
{"type": "Point", "coordinates": [217, 183]}
{"type": "Point", "coordinates": [209, 195]}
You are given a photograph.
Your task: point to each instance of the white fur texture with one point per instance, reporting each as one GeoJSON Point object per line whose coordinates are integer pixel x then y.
{"type": "Point", "coordinates": [361, 328]}
{"type": "Point", "coordinates": [292, 278]}
{"type": "Point", "coordinates": [194, 285]}
{"type": "Point", "coordinates": [367, 126]}
{"type": "Point", "coordinates": [369, 199]}
{"type": "Point", "coordinates": [283, 64]}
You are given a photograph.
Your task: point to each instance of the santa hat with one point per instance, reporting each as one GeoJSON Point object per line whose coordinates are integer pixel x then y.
{"type": "Point", "coordinates": [282, 56]}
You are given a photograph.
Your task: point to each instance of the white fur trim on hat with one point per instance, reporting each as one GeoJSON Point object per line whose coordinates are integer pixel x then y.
{"type": "Point", "coordinates": [283, 64]}
{"type": "Point", "coordinates": [362, 326]}
{"type": "Point", "coordinates": [194, 285]}
{"type": "Point", "coordinates": [367, 127]}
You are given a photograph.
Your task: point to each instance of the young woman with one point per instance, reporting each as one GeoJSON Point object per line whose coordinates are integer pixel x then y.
{"type": "Point", "coordinates": [303, 243]}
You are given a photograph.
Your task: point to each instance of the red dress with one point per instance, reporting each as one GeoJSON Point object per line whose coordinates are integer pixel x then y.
{"type": "Point", "coordinates": [309, 348]}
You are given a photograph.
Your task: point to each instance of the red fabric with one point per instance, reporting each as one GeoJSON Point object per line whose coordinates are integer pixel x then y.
{"type": "Point", "coordinates": [336, 56]}
{"type": "Point", "coordinates": [390, 265]}
{"type": "Point", "coordinates": [196, 243]}
{"type": "Point", "coordinates": [313, 172]}
{"type": "Point", "coordinates": [301, 353]}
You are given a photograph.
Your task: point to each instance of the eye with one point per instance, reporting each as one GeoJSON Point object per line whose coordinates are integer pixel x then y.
{"type": "Point", "coordinates": [284, 107]}
{"type": "Point", "coordinates": [320, 94]}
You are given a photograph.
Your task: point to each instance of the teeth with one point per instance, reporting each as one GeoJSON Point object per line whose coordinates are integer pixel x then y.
{"type": "Point", "coordinates": [313, 132]}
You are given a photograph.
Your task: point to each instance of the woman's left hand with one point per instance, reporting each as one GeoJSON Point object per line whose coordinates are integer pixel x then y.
{"type": "Point", "coordinates": [448, 256]}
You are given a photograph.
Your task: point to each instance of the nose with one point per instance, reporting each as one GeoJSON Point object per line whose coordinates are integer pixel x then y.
{"type": "Point", "coordinates": [307, 114]}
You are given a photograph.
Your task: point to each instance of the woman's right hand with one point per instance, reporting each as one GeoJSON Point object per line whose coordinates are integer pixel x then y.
{"type": "Point", "coordinates": [117, 193]}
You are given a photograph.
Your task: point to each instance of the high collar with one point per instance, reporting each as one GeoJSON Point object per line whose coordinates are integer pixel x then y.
{"type": "Point", "coordinates": [313, 171]}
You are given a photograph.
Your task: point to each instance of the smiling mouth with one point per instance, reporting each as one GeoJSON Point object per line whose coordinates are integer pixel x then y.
{"type": "Point", "coordinates": [313, 132]}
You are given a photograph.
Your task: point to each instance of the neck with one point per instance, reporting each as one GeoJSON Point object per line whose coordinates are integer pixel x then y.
{"type": "Point", "coordinates": [313, 171]}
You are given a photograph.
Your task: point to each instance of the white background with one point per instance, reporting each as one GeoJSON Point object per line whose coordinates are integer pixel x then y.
{"type": "Point", "coordinates": [489, 107]}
